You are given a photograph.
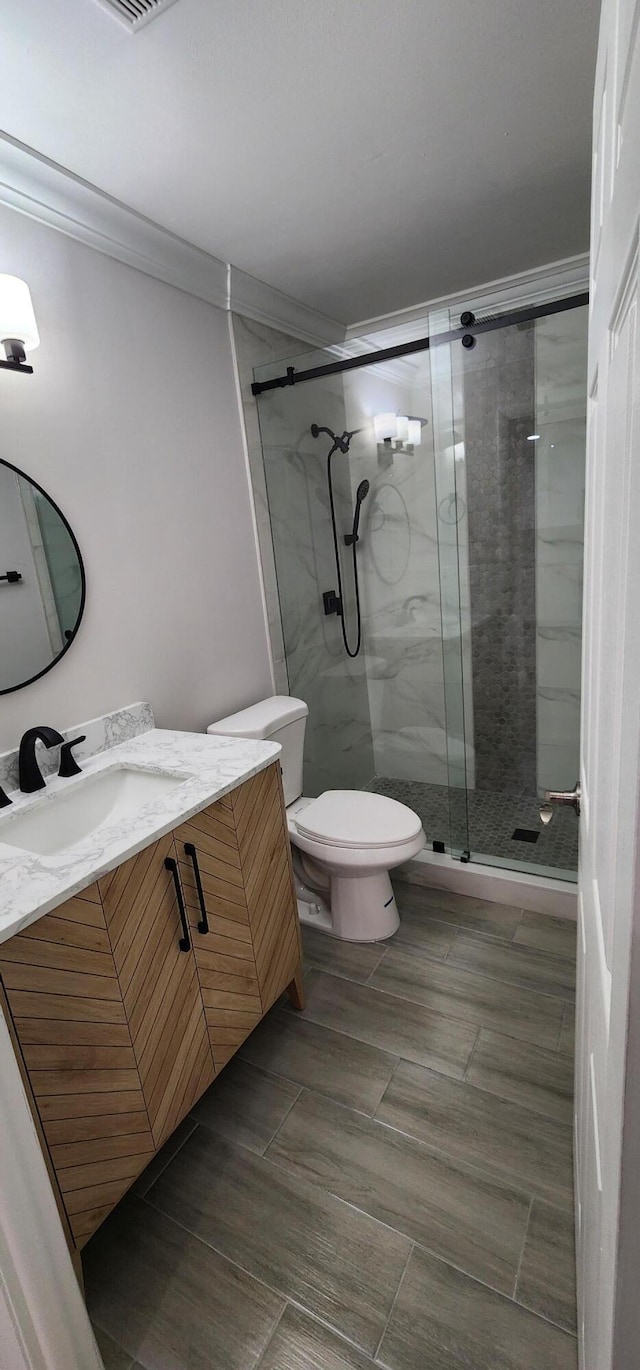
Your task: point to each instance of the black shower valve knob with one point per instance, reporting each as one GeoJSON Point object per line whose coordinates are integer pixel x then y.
{"type": "Point", "coordinates": [332, 603]}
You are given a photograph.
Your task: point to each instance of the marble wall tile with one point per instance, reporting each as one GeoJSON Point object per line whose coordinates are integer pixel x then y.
{"type": "Point", "coordinates": [559, 652]}
{"type": "Point", "coordinates": [281, 675]}
{"type": "Point", "coordinates": [560, 544]}
{"type": "Point", "coordinates": [561, 378]}
{"type": "Point", "coordinates": [558, 766]}
{"type": "Point", "coordinates": [559, 594]}
{"type": "Point", "coordinates": [288, 468]}
{"type": "Point", "coordinates": [401, 580]}
{"type": "Point", "coordinates": [559, 715]}
{"type": "Point", "coordinates": [498, 380]}
{"type": "Point", "coordinates": [100, 734]}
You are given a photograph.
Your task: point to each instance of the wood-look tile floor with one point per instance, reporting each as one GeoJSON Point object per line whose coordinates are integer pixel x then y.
{"type": "Point", "coordinates": [384, 1180]}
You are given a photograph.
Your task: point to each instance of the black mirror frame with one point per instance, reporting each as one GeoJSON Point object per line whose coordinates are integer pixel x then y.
{"type": "Point", "coordinates": [83, 591]}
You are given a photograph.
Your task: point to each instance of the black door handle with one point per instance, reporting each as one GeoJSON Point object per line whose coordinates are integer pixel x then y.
{"type": "Point", "coordinates": [203, 925]}
{"type": "Point", "coordinates": [185, 941]}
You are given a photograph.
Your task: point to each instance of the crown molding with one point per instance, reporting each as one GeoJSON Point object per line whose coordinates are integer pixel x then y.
{"type": "Point", "coordinates": [39, 188]}
{"type": "Point", "coordinates": [549, 282]}
{"type": "Point", "coordinates": [263, 303]}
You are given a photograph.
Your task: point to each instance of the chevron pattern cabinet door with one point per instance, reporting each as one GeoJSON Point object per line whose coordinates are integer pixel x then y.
{"type": "Point", "coordinates": [224, 955]}
{"type": "Point", "coordinates": [120, 1030]}
{"type": "Point", "coordinates": [265, 860]}
{"type": "Point", "coordinates": [63, 993]}
{"type": "Point", "coordinates": [159, 986]}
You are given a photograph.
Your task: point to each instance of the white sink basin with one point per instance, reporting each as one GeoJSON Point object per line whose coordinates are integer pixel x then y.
{"type": "Point", "coordinates": [69, 816]}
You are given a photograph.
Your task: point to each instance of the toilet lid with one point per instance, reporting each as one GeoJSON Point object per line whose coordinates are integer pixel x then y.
{"type": "Point", "coordinates": [355, 818]}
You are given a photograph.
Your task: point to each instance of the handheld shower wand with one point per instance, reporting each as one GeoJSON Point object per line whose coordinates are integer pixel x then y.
{"type": "Point", "coordinates": [334, 603]}
{"type": "Point", "coordinates": [361, 495]}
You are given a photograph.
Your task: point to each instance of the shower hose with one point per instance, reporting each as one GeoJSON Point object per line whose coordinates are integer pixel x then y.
{"type": "Point", "coordinates": [352, 652]}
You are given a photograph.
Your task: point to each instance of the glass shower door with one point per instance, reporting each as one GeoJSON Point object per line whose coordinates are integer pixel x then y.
{"type": "Point", "coordinates": [464, 701]}
{"type": "Point", "coordinates": [380, 721]}
{"type": "Point", "coordinates": [451, 520]}
{"type": "Point", "coordinates": [338, 744]}
{"type": "Point", "coordinates": [513, 478]}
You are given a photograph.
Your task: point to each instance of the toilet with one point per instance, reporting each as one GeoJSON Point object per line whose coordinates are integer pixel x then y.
{"type": "Point", "coordinates": [344, 843]}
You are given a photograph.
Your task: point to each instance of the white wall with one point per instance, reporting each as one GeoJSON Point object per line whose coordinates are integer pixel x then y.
{"type": "Point", "coordinates": [130, 422]}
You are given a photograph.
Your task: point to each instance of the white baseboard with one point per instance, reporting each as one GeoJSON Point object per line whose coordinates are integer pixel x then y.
{"type": "Point", "coordinates": [536, 893]}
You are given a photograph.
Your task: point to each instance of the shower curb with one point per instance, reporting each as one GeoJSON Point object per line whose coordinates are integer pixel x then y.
{"type": "Point", "coordinates": [535, 893]}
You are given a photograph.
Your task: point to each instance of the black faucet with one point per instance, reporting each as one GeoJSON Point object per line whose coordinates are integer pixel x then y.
{"type": "Point", "coordinates": [29, 773]}
{"type": "Point", "coordinates": [68, 763]}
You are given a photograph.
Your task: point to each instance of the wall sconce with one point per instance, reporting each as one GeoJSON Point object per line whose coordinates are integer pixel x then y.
{"type": "Point", "coordinates": [18, 327]}
{"type": "Point", "coordinates": [396, 433]}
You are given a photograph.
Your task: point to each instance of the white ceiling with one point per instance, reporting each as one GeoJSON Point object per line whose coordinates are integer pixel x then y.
{"type": "Point", "coordinates": [361, 155]}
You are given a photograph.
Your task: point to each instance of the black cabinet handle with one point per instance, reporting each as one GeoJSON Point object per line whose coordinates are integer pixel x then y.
{"type": "Point", "coordinates": [203, 925]}
{"type": "Point", "coordinates": [185, 941]}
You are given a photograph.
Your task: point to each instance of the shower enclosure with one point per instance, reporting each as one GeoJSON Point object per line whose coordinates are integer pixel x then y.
{"type": "Point", "coordinates": [465, 466]}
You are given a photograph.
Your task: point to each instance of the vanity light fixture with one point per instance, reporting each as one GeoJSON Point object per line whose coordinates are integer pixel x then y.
{"type": "Point", "coordinates": [385, 427]}
{"type": "Point", "coordinates": [396, 433]}
{"type": "Point", "coordinates": [18, 327]}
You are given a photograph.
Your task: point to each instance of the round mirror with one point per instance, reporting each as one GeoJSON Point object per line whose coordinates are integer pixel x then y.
{"type": "Point", "coordinates": [42, 582]}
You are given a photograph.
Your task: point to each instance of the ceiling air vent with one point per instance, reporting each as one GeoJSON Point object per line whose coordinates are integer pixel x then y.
{"type": "Point", "coordinates": [134, 14]}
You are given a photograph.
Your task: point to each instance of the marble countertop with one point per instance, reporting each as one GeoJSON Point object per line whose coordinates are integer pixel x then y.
{"type": "Point", "coordinates": [208, 768]}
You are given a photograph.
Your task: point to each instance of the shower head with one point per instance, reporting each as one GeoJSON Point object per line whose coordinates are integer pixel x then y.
{"type": "Point", "coordinates": [340, 444]}
{"type": "Point", "coordinates": [346, 437]}
{"type": "Point", "coordinates": [362, 491]}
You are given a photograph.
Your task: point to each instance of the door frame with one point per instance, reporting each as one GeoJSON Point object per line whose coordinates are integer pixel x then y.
{"type": "Point", "coordinates": [44, 1323]}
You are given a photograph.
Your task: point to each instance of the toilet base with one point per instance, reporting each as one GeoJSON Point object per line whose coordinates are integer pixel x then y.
{"type": "Point", "coordinates": [363, 907]}
{"type": "Point", "coordinates": [355, 908]}
{"type": "Point", "coordinates": [314, 916]}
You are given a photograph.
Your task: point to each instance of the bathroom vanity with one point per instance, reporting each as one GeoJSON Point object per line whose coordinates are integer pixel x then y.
{"type": "Point", "coordinates": [136, 960]}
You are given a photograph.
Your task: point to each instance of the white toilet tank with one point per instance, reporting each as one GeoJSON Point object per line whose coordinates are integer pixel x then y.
{"type": "Point", "coordinates": [278, 719]}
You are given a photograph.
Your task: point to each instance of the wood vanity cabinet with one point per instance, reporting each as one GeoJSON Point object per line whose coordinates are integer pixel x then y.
{"type": "Point", "coordinates": [159, 985]}
{"type": "Point", "coordinates": [127, 1000]}
{"type": "Point", "coordinates": [240, 850]}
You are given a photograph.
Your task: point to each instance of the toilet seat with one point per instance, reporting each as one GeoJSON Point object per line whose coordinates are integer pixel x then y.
{"type": "Point", "coordinates": [357, 819]}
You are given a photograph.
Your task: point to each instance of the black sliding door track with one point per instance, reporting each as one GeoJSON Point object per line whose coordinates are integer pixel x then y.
{"type": "Point", "coordinates": [515, 316]}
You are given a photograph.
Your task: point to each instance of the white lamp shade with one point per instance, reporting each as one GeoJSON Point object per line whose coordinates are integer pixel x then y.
{"type": "Point", "coordinates": [17, 319]}
{"type": "Point", "coordinates": [415, 432]}
{"type": "Point", "coordinates": [385, 426]}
